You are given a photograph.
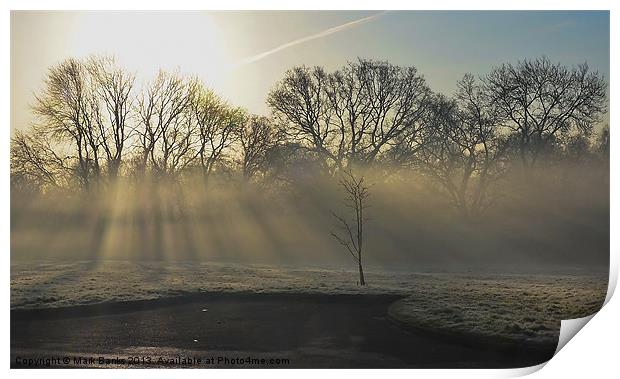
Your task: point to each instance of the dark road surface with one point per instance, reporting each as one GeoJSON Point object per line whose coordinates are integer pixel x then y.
{"type": "Point", "coordinates": [310, 331]}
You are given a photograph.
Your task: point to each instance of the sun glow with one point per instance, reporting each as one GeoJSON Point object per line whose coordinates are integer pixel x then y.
{"type": "Point", "coordinates": [148, 42]}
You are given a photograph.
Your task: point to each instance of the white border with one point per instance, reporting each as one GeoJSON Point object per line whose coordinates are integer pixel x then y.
{"type": "Point", "coordinates": [307, 5]}
{"type": "Point", "coordinates": [591, 354]}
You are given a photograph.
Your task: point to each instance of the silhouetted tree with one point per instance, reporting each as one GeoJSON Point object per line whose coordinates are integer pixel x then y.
{"type": "Point", "coordinates": [462, 147]}
{"type": "Point", "coordinates": [602, 143]}
{"type": "Point", "coordinates": [165, 130]}
{"type": "Point", "coordinates": [89, 121]}
{"type": "Point", "coordinates": [217, 127]}
{"type": "Point", "coordinates": [35, 166]}
{"type": "Point", "coordinates": [288, 163]}
{"type": "Point", "coordinates": [300, 100]}
{"type": "Point", "coordinates": [113, 102]}
{"type": "Point", "coordinates": [352, 234]}
{"type": "Point", "coordinates": [65, 110]}
{"type": "Point", "coordinates": [258, 138]}
{"type": "Point", "coordinates": [353, 115]}
{"type": "Point", "coordinates": [84, 109]}
{"type": "Point", "coordinates": [539, 99]}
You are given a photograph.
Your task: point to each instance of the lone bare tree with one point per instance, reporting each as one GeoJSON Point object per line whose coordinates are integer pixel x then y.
{"type": "Point", "coordinates": [352, 234]}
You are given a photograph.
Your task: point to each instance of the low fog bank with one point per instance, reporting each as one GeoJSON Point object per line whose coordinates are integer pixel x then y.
{"type": "Point", "coordinates": [548, 220]}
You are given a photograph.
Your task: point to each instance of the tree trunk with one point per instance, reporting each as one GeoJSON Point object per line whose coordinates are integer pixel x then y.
{"type": "Point", "coordinates": [362, 282]}
{"type": "Point", "coordinates": [114, 166]}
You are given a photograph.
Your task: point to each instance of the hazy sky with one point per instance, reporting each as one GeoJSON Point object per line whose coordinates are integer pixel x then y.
{"type": "Point", "coordinates": [241, 55]}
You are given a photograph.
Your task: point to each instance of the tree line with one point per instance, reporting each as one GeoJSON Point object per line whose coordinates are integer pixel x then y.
{"type": "Point", "coordinates": [94, 125]}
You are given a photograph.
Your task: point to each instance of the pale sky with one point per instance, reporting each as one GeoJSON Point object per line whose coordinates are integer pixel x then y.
{"type": "Point", "coordinates": [241, 55]}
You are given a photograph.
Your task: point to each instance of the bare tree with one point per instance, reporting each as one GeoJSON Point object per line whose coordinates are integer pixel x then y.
{"type": "Point", "coordinates": [165, 130]}
{"type": "Point", "coordinates": [85, 105]}
{"type": "Point", "coordinates": [300, 99]}
{"type": "Point", "coordinates": [35, 164]}
{"type": "Point", "coordinates": [463, 148]}
{"type": "Point", "coordinates": [65, 110]}
{"type": "Point", "coordinates": [353, 115]}
{"type": "Point", "coordinates": [257, 138]}
{"type": "Point", "coordinates": [352, 234]}
{"type": "Point", "coordinates": [217, 127]}
{"type": "Point", "coordinates": [366, 113]}
{"type": "Point", "coordinates": [539, 100]}
{"type": "Point", "coordinates": [113, 102]}
{"type": "Point", "coordinates": [398, 100]}
{"type": "Point", "coordinates": [602, 143]}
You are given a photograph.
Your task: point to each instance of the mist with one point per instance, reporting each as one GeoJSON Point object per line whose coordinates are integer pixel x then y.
{"type": "Point", "coordinates": [479, 180]}
{"type": "Point", "coordinates": [557, 219]}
